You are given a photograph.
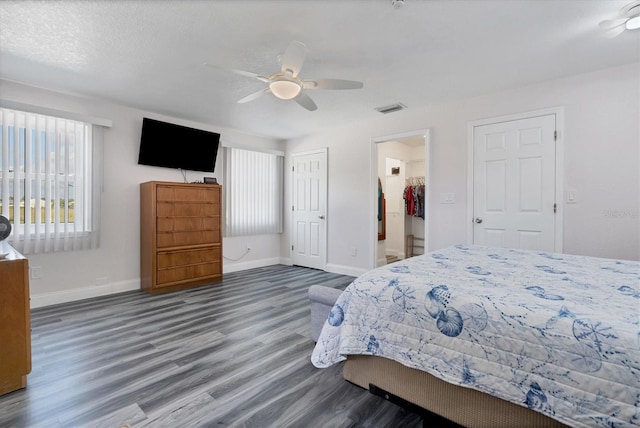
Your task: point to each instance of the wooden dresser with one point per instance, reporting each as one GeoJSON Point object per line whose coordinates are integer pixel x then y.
{"type": "Point", "coordinates": [15, 325]}
{"type": "Point", "coordinates": [181, 240]}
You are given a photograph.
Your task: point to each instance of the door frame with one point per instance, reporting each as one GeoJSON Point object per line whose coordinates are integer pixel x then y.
{"type": "Point", "coordinates": [559, 167]}
{"type": "Point", "coordinates": [325, 152]}
{"type": "Point", "coordinates": [373, 187]}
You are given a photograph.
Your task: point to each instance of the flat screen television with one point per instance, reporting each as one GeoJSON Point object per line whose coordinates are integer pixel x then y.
{"type": "Point", "coordinates": [174, 146]}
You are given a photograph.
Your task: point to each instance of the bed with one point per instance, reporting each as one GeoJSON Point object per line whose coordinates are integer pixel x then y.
{"type": "Point", "coordinates": [495, 337]}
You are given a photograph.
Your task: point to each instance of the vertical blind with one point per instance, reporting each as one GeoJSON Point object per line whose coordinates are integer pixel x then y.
{"type": "Point", "coordinates": [46, 182]}
{"type": "Point", "coordinates": [253, 192]}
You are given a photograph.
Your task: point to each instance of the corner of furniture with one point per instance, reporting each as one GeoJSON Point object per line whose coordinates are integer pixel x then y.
{"type": "Point", "coordinates": [15, 320]}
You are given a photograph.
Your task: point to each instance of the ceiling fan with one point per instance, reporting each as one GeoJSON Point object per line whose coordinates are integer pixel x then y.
{"type": "Point", "coordinates": [286, 84]}
{"type": "Point", "coordinates": [628, 19]}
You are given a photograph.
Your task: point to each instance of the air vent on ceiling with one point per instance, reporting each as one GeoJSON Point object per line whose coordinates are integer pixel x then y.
{"type": "Point", "coordinates": [392, 108]}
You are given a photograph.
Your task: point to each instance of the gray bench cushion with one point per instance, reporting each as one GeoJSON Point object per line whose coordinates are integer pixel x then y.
{"type": "Point", "coordinates": [322, 299]}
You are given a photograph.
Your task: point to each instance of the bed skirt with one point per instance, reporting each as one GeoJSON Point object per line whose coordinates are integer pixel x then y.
{"type": "Point", "coordinates": [464, 406]}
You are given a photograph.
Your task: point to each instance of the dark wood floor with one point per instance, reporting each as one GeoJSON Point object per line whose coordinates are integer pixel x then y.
{"type": "Point", "coordinates": [232, 354]}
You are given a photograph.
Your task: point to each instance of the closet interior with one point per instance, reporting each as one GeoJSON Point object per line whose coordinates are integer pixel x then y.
{"type": "Point", "coordinates": [402, 180]}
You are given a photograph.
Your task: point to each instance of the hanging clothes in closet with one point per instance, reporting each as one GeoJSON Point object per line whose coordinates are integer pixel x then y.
{"type": "Point", "coordinates": [414, 197]}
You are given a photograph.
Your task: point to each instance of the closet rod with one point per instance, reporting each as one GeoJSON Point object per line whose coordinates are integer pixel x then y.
{"type": "Point", "coordinates": [415, 181]}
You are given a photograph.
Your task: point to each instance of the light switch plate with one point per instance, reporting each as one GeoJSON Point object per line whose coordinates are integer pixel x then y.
{"type": "Point", "coordinates": [447, 198]}
{"type": "Point", "coordinates": [572, 197]}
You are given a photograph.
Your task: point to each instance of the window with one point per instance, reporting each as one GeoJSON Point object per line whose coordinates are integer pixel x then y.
{"type": "Point", "coordinates": [47, 182]}
{"type": "Point", "coordinates": [253, 192]}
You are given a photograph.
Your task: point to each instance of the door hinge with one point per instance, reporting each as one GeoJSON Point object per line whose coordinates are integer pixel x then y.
{"type": "Point", "coordinates": [293, 208]}
{"type": "Point", "coordinates": [292, 248]}
{"type": "Point", "coordinates": [555, 135]}
{"type": "Point", "coordinates": [293, 169]}
{"type": "Point", "coordinates": [555, 208]}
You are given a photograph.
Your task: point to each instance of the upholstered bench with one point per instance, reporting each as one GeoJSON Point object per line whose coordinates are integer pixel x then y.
{"type": "Point", "coordinates": [322, 299]}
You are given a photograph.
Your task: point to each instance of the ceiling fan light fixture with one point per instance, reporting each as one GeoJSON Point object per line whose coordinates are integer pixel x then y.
{"type": "Point", "coordinates": [633, 23]}
{"type": "Point", "coordinates": [285, 89]}
{"type": "Point", "coordinates": [627, 19]}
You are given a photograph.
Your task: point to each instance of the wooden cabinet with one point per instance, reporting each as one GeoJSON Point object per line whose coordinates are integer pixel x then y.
{"type": "Point", "coordinates": [181, 242]}
{"type": "Point", "coordinates": [15, 328]}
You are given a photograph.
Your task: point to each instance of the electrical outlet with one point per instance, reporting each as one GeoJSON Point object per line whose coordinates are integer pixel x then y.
{"type": "Point", "coordinates": [36, 272]}
{"type": "Point", "coordinates": [354, 251]}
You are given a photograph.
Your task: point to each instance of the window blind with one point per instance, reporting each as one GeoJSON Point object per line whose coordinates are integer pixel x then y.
{"type": "Point", "coordinates": [253, 192]}
{"type": "Point", "coordinates": [47, 182]}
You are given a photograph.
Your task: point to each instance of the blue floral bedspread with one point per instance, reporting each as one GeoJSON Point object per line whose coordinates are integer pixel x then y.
{"type": "Point", "coordinates": [557, 333]}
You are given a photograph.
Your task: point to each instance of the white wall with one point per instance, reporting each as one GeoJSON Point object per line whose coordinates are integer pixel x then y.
{"type": "Point", "coordinates": [115, 265]}
{"type": "Point", "coordinates": [601, 163]}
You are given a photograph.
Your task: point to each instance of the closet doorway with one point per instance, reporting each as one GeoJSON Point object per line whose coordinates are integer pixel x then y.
{"type": "Point", "coordinates": [400, 203]}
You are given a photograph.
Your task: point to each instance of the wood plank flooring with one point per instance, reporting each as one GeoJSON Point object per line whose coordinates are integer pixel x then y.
{"type": "Point", "coordinates": [236, 353]}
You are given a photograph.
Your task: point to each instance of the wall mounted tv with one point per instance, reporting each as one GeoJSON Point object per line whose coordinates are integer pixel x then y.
{"type": "Point", "coordinates": [174, 146]}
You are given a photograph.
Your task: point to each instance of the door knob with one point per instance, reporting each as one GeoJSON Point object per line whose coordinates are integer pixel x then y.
{"type": "Point", "coordinates": [321, 217]}
{"type": "Point", "coordinates": [478, 220]}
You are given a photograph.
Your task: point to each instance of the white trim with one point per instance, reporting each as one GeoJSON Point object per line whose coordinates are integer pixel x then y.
{"type": "Point", "coordinates": [325, 151]}
{"type": "Point", "coordinates": [311, 152]}
{"type": "Point", "coordinates": [15, 105]}
{"type": "Point", "coordinates": [424, 133]}
{"type": "Point", "coordinates": [224, 143]}
{"type": "Point", "coordinates": [470, 126]}
{"type": "Point", "coordinates": [57, 297]}
{"type": "Point", "coordinates": [427, 190]}
{"type": "Point", "coordinates": [559, 180]}
{"type": "Point", "coordinates": [236, 267]}
{"type": "Point", "coordinates": [559, 167]}
{"type": "Point", "coordinates": [345, 270]}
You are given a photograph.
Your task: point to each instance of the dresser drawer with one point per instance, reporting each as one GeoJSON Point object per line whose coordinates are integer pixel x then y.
{"type": "Point", "coordinates": [170, 276]}
{"type": "Point", "coordinates": [187, 209]}
{"type": "Point", "coordinates": [177, 193]}
{"type": "Point", "coordinates": [187, 224]}
{"type": "Point", "coordinates": [181, 239]}
{"type": "Point", "coordinates": [170, 259]}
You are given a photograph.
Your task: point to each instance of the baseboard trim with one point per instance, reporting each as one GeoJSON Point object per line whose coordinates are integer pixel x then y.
{"type": "Point", "coordinates": [345, 270]}
{"type": "Point", "coordinates": [392, 252]}
{"type": "Point", "coordinates": [286, 261]}
{"type": "Point", "coordinates": [235, 267]}
{"type": "Point", "coordinates": [65, 296]}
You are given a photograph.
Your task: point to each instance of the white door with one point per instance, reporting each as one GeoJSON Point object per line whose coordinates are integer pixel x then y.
{"type": "Point", "coordinates": [309, 209]}
{"type": "Point", "coordinates": [514, 170]}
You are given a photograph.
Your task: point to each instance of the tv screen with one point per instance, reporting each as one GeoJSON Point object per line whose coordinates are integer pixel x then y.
{"type": "Point", "coordinates": [174, 146]}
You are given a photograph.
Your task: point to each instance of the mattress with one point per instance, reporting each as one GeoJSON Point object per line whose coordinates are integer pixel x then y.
{"type": "Point", "coordinates": [559, 334]}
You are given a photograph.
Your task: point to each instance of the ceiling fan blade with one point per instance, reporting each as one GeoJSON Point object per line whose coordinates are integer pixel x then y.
{"type": "Point", "coordinates": [305, 101]}
{"type": "Point", "coordinates": [609, 24]}
{"type": "Point", "coordinates": [610, 30]}
{"type": "Point", "coordinates": [332, 84]}
{"type": "Point", "coordinates": [249, 74]}
{"type": "Point", "coordinates": [254, 95]}
{"type": "Point", "coordinates": [239, 72]}
{"type": "Point", "coordinates": [293, 58]}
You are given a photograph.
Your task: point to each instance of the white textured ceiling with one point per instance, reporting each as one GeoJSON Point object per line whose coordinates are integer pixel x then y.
{"type": "Point", "coordinates": [149, 54]}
